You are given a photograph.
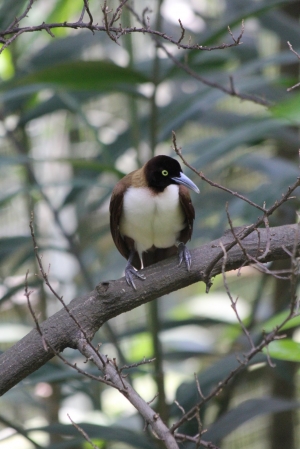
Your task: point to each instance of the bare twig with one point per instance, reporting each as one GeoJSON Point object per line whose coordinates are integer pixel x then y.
{"type": "Point", "coordinates": [213, 84]}
{"type": "Point", "coordinates": [298, 56]}
{"type": "Point", "coordinates": [106, 11]}
{"type": "Point", "coordinates": [266, 340]}
{"type": "Point", "coordinates": [234, 302]}
{"type": "Point", "coordinates": [182, 437]}
{"type": "Point", "coordinates": [178, 151]}
{"type": "Point", "coordinates": [113, 32]}
{"type": "Point", "coordinates": [117, 14]}
{"type": "Point", "coordinates": [48, 346]}
{"type": "Point", "coordinates": [182, 33]}
{"type": "Point", "coordinates": [134, 365]}
{"type": "Point", "coordinates": [17, 20]}
{"type": "Point", "coordinates": [81, 15]}
{"type": "Point", "coordinates": [238, 39]}
{"type": "Point", "coordinates": [86, 6]}
{"type": "Point", "coordinates": [179, 406]}
{"type": "Point", "coordinates": [198, 387]}
{"type": "Point", "coordinates": [83, 433]}
{"type": "Point", "coordinates": [49, 285]}
{"type": "Point", "coordinates": [292, 50]}
{"type": "Point", "coordinates": [293, 87]}
{"type": "Point", "coordinates": [248, 229]}
{"type": "Point", "coordinates": [153, 399]}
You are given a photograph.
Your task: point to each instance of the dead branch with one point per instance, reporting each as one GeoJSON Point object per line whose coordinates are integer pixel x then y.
{"type": "Point", "coordinates": [15, 30]}
{"type": "Point", "coordinates": [111, 298]}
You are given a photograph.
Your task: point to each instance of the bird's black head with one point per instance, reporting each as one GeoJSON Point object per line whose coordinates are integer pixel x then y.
{"type": "Point", "coordinates": [161, 171]}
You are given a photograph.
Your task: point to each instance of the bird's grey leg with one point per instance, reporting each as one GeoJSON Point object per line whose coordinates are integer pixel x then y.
{"type": "Point", "coordinates": [130, 272]}
{"type": "Point", "coordinates": [184, 254]}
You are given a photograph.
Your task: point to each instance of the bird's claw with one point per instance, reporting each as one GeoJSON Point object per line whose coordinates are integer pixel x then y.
{"type": "Point", "coordinates": [184, 254]}
{"type": "Point", "coordinates": [129, 273]}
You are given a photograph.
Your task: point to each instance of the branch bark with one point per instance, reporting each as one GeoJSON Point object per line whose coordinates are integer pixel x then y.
{"type": "Point", "coordinates": [111, 298]}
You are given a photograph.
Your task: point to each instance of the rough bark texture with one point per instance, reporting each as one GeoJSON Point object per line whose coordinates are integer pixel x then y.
{"type": "Point", "coordinates": [111, 298]}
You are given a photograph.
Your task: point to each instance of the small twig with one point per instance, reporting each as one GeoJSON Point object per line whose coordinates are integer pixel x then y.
{"type": "Point", "coordinates": [234, 302]}
{"type": "Point", "coordinates": [153, 399]}
{"type": "Point", "coordinates": [83, 433]}
{"type": "Point", "coordinates": [264, 269]}
{"type": "Point", "coordinates": [47, 345]}
{"type": "Point", "coordinates": [198, 386]}
{"type": "Point", "coordinates": [179, 406]}
{"type": "Point", "coordinates": [114, 361]}
{"type": "Point", "coordinates": [293, 87]}
{"type": "Point", "coordinates": [238, 40]}
{"type": "Point", "coordinates": [117, 14]}
{"type": "Point", "coordinates": [208, 82]}
{"type": "Point", "coordinates": [27, 294]}
{"type": "Point", "coordinates": [86, 6]}
{"type": "Point", "coordinates": [81, 15]}
{"type": "Point", "coordinates": [135, 365]}
{"type": "Point", "coordinates": [49, 285]}
{"type": "Point", "coordinates": [235, 235]}
{"type": "Point", "coordinates": [17, 20]}
{"type": "Point", "coordinates": [292, 50]}
{"type": "Point", "coordinates": [106, 11]}
{"type": "Point", "coordinates": [49, 31]}
{"type": "Point", "coordinates": [249, 229]}
{"type": "Point", "coordinates": [200, 429]}
{"type": "Point", "coordinates": [182, 437]}
{"type": "Point", "coordinates": [213, 184]}
{"type": "Point", "coordinates": [298, 56]}
{"type": "Point", "coordinates": [182, 33]}
{"type": "Point", "coordinates": [270, 363]}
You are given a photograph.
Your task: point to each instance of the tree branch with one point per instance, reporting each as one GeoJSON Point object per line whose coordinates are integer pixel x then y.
{"type": "Point", "coordinates": [111, 298]}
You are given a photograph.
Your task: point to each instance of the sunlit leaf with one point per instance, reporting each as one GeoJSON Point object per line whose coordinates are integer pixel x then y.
{"type": "Point", "coordinates": [285, 350]}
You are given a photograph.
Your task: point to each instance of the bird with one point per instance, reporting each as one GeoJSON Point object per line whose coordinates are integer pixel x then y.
{"type": "Point", "coordinates": [151, 215]}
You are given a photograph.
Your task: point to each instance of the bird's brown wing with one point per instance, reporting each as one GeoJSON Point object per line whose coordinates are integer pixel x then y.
{"type": "Point", "coordinates": [189, 212]}
{"type": "Point", "coordinates": [124, 244]}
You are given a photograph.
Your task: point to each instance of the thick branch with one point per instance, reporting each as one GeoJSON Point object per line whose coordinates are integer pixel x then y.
{"type": "Point", "coordinates": [112, 298]}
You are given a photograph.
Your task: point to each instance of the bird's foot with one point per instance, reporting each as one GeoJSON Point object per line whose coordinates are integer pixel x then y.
{"type": "Point", "coordinates": [130, 272]}
{"type": "Point", "coordinates": [184, 254]}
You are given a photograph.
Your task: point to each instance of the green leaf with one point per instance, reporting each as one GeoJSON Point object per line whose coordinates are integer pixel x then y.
{"type": "Point", "coordinates": [276, 320]}
{"type": "Point", "coordinates": [9, 245]}
{"type": "Point", "coordinates": [81, 75]}
{"type": "Point", "coordinates": [289, 109]}
{"type": "Point", "coordinates": [284, 350]}
{"type": "Point", "coordinates": [244, 412]}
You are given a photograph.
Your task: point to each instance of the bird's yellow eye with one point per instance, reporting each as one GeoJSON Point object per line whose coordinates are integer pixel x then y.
{"type": "Point", "coordinates": [165, 173]}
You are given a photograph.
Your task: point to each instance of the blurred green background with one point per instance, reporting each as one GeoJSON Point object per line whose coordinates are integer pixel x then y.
{"type": "Point", "coordinates": [77, 113]}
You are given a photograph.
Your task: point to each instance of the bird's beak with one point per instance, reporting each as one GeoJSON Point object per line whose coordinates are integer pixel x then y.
{"type": "Point", "coordinates": [183, 179]}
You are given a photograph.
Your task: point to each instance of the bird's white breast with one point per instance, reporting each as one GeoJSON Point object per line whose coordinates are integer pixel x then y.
{"type": "Point", "coordinates": [152, 219]}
